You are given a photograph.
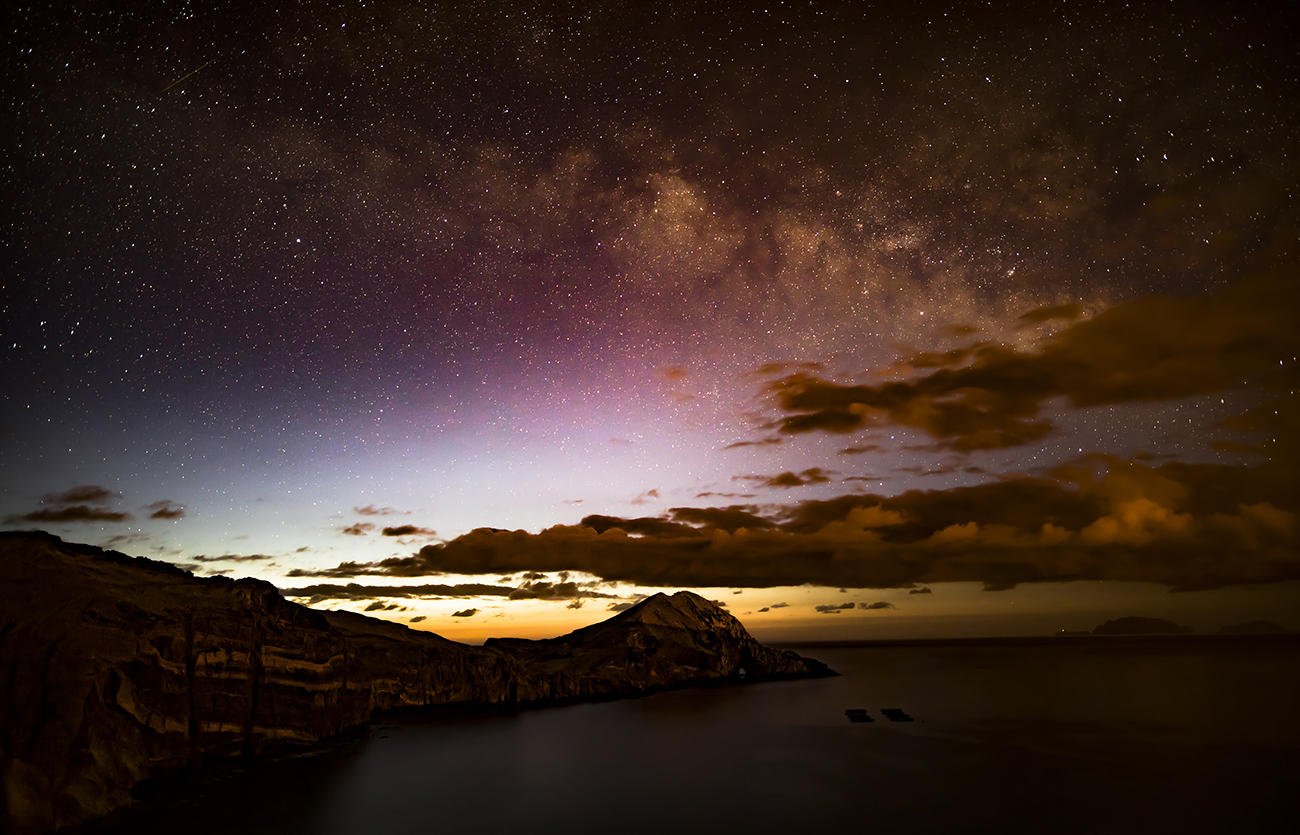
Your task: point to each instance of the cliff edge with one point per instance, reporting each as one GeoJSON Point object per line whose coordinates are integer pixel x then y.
{"type": "Point", "coordinates": [115, 669]}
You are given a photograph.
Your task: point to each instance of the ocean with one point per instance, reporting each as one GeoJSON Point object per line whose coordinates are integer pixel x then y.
{"type": "Point", "coordinates": [1196, 734]}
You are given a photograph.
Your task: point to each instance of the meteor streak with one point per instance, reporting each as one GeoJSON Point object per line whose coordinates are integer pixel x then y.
{"type": "Point", "coordinates": [183, 77]}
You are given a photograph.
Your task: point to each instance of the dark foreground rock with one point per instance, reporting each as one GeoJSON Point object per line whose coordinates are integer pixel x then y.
{"type": "Point", "coordinates": [116, 669]}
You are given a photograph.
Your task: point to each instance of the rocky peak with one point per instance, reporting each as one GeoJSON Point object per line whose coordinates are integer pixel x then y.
{"type": "Point", "coordinates": [683, 610]}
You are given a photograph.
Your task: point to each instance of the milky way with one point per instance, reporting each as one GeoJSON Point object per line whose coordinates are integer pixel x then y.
{"type": "Point", "coordinates": [271, 275]}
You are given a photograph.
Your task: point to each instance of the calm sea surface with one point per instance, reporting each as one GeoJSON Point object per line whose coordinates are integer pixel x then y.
{"type": "Point", "coordinates": [1119, 736]}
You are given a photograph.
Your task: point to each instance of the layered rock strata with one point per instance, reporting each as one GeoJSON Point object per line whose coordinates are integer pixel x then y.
{"type": "Point", "coordinates": [115, 669]}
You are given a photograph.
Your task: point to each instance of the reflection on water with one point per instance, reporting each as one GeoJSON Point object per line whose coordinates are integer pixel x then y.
{"type": "Point", "coordinates": [1119, 736]}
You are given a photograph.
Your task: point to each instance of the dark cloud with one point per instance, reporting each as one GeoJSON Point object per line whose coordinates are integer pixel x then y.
{"type": "Point", "coordinates": [133, 538]}
{"type": "Point", "coordinates": [861, 450]}
{"type": "Point", "coordinates": [832, 609]}
{"type": "Point", "coordinates": [234, 558]}
{"type": "Point", "coordinates": [764, 609]}
{"type": "Point", "coordinates": [371, 510]}
{"type": "Point", "coordinates": [576, 603]}
{"type": "Point", "coordinates": [922, 360]}
{"type": "Point", "coordinates": [812, 475]}
{"type": "Point", "coordinates": [777, 369]}
{"type": "Point", "coordinates": [879, 604]}
{"type": "Point", "coordinates": [82, 494]}
{"type": "Point", "coordinates": [619, 607]}
{"type": "Point", "coordinates": [408, 530]}
{"type": "Point", "coordinates": [643, 526]}
{"type": "Point", "coordinates": [357, 591]}
{"type": "Point", "coordinates": [465, 613]}
{"type": "Point", "coordinates": [544, 590]}
{"type": "Point", "coordinates": [1047, 314]}
{"type": "Point", "coordinates": [990, 396]}
{"type": "Point", "coordinates": [72, 513]}
{"type": "Point", "coordinates": [672, 373]}
{"type": "Point", "coordinates": [166, 509]}
{"type": "Point", "coordinates": [922, 590]}
{"type": "Point", "coordinates": [760, 442]}
{"type": "Point", "coordinates": [83, 503]}
{"type": "Point", "coordinates": [645, 497]}
{"type": "Point", "coordinates": [943, 469]}
{"type": "Point", "coordinates": [359, 529]}
{"type": "Point", "coordinates": [418, 619]}
{"type": "Point", "coordinates": [728, 519]}
{"type": "Point", "coordinates": [780, 605]}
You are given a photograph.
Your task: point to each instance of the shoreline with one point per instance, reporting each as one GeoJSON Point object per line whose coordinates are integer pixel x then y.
{"type": "Point", "coordinates": [1048, 640]}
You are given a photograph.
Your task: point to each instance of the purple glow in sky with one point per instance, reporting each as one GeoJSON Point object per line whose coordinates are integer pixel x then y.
{"type": "Point", "coordinates": [1019, 281]}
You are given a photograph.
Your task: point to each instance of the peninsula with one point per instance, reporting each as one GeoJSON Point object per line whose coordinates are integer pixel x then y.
{"type": "Point", "coordinates": [116, 669]}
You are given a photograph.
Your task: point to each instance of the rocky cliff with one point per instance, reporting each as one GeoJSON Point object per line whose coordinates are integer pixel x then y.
{"type": "Point", "coordinates": [114, 669]}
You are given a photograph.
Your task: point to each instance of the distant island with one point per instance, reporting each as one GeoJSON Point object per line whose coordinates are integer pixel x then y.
{"type": "Point", "coordinates": [118, 669]}
{"type": "Point", "coordinates": [1141, 626]}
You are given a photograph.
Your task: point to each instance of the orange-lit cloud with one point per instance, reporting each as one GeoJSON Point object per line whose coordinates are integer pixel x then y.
{"type": "Point", "coordinates": [990, 396]}
{"type": "Point", "coordinates": [1181, 525]}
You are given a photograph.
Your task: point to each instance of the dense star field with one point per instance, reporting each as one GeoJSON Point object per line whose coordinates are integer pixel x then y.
{"type": "Point", "coordinates": [864, 319]}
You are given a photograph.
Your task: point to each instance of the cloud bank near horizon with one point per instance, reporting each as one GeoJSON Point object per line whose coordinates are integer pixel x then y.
{"type": "Point", "coordinates": [1187, 526]}
{"type": "Point", "coordinates": [1098, 517]}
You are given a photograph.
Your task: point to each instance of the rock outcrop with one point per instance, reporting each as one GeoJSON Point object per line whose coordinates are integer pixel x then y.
{"type": "Point", "coordinates": [663, 640]}
{"type": "Point", "coordinates": [115, 669]}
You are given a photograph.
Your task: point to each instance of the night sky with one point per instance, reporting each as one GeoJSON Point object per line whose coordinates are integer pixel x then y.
{"type": "Point", "coordinates": [867, 320]}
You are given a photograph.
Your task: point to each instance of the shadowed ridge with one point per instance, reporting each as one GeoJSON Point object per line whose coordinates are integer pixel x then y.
{"type": "Point", "coordinates": [95, 551]}
{"type": "Point", "coordinates": [683, 610]}
{"type": "Point", "coordinates": [116, 669]}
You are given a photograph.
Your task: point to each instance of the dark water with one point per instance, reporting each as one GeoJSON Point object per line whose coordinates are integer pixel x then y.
{"type": "Point", "coordinates": [1140, 736]}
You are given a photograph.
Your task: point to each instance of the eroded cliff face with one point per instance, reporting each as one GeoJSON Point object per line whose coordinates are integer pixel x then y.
{"type": "Point", "coordinates": [114, 669]}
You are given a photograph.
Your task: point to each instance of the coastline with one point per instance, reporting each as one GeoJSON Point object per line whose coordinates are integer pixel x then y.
{"type": "Point", "coordinates": [1051, 640]}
